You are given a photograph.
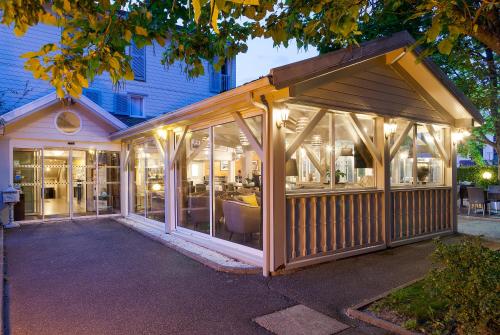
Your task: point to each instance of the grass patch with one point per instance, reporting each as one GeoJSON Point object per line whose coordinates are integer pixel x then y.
{"type": "Point", "coordinates": [414, 307]}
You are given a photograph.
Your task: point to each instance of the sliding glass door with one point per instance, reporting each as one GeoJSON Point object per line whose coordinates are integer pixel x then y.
{"type": "Point", "coordinates": [147, 186]}
{"type": "Point", "coordinates": [219, 183]}
{"type": "Point", "coordinates": [66, 183]}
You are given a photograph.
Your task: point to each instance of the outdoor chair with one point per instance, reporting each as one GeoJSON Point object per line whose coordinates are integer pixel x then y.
{"type": "Point", "coordinates": [494, 195]}
{"type": "Point", "coordinates": [476, 199]}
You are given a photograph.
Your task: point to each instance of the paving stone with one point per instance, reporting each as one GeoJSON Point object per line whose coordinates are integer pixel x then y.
{"type": "Point", "coordinates": [300, 320]}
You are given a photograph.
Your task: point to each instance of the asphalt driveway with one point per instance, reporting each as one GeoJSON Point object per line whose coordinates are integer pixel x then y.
{"type": "Point", "coordinates": [99, 277]}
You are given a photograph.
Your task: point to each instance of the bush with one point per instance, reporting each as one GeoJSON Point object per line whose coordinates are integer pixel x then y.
{"type": "Point", "coordinates": [467, 279]}
{"type": "Point", "coordinates": [474, 174]}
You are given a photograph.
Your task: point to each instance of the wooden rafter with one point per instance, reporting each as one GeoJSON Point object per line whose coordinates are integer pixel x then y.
{"type": "Point", "coordinates": [160, 145]}
{"type": "Point", "coordinates": [175, 154]}
{"type": "Point", "coordinates": [242, 124]}
{"type": "Point", "coordinates": [364, 137]}
{"type": "Point", "coordinates": [125, 159]}
{"type": "Point", "coordinates": [314, 160]}
{"type": "Point", "coordinates": [302, 136]}
{"type": "Point", "coordinates": [440, 148]}
{"type": "Point", "coordinates": [401, 138]}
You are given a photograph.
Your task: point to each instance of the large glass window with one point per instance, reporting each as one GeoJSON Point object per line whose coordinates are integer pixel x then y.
{"type": "Point", "coordinates": [418, 159]}
{"type": "Point", "coordinates": [219, 183]}
{"type": "Point", "coordinates": [402, 163]}
{"type": "Point", "coordinates": [237, 184]}
{"type": "Point", "coordinates": [192, 182]}
{"type": "Point", "coordinates": [326, 150]}
{"type": "Point", "coordinates": [147, 196]}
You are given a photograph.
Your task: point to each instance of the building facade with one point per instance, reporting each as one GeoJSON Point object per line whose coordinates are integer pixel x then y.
{"type": "Point", "coordinates": [345, 153]}
{"type": "Point", "coordinates": [155, 90]}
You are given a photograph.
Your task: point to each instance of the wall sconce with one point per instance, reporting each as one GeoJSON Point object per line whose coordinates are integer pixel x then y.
{"type": "Point", "coordinates": [390, 128]}
{"type": "Point", "coordinates": [284, 113]}
{"type": "Point", "coordinates": [162, 133]}
{"type": "Point", "coordinates": [459, 135]}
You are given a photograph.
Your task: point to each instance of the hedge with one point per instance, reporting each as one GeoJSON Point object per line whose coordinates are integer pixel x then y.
{"type": "Point", "coordinates": [474, 174]}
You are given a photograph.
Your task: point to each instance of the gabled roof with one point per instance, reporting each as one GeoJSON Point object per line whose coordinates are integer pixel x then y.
{"type": "Point", "coordinates": [37, 105]}
{"type": "Point", "coordinates": [305, 70]}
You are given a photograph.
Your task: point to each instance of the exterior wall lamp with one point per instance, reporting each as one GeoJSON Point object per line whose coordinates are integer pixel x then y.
{"type": "Point", "coordinates": [162, 133]}
{"type": "Point", "coordinates": [458, 135]}
{"type": "Point", "coordinates": [284, 113]}
{"type": "Point", "coordinates": [390, 128]}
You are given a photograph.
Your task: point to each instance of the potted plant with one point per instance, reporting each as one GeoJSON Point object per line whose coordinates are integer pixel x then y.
{"type": "Point", "coordinates": [422, 173]}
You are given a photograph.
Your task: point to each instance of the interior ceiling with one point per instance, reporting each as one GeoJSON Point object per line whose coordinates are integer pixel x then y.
{"type": "Point", "coordinates": [376, 89]}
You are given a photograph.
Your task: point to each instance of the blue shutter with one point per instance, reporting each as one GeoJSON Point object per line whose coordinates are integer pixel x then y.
{"type": "Point", "coordinates": [93, 95]}
{"type": "Point", "coordinates": [215, 79]}
{"type": "Point", "coordinates": [121, 104]}
{"type": "Point", "coordinates": [138, 62]}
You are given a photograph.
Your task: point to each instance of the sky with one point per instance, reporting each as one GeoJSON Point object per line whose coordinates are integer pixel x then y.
{"type": "Point", "coordinates": [261, 57]}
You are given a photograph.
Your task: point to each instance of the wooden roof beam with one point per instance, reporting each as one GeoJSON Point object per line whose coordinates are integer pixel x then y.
{"type": "Point", "coordinates": [302, 136]}
{"type": "Point", "coordinates": [400, 139]}
{"type": "Point", "coordinates": [438, 145]}
{"type": "Point", "coordinates": [177, 150]}
{"type": "Point", "coordinates": [243, 125]}
{"type": "Point", "coordinates": [364, 137]}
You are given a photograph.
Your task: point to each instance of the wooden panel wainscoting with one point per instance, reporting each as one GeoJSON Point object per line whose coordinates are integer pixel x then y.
{"type": "Point", "coordinates": [327, 223]}
{"type": "Point", "coordinates": [420, 211]}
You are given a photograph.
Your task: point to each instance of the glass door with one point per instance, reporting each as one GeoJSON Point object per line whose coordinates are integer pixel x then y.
{"type": "Point", "coordinates": [56, 183]}
{"type": "Point", "coordinates": [108, 182]}
{"type": "Point", "coordinates": [83, 172]}
{"type": "Point", "coordinates": [27, 177]}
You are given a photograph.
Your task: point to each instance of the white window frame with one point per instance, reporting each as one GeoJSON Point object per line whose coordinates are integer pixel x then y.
{"type": "Point", "coordinates": [143, 106]}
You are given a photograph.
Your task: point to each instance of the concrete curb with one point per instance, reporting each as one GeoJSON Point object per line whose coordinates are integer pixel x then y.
{"type": "Point", "coordinates": [205, 261]}
{"type": "Point", "coordinates": [355, 312]}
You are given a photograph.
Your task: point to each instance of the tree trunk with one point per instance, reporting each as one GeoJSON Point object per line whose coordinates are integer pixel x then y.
{"type": "Point", "coordinates": [494, 112]}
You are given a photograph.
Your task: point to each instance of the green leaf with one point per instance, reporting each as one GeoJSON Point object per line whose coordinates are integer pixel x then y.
{"type": "Point", "coordinates": [445, 46]}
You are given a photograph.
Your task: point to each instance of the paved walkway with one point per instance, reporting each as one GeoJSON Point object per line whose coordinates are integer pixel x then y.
{"type": "Point", "coordinates": [99, 277]}
{"type": "Point", "coordinates": [487, 227]}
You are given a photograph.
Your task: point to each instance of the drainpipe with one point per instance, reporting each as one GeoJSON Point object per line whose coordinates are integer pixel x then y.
{"type": "Point", "coordinates": [265, 228]}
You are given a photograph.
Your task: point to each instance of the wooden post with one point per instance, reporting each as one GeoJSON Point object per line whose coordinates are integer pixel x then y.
{"type": "Point", "coordinates": [276, 187]}
{"type": "Point", "coordinates": [124, 183]}
{"type": "Point", "coordinates": [383, 174]}
{"type": "Point", "coordinates": [451, 178]}
{"type": "Point", "coordinates": [170, 185]}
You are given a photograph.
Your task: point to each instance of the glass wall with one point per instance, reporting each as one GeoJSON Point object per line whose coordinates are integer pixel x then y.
{"type": "Point", "coordinates": [237, 185]}
{"type": "Point", "coordinates": [51, 187]}
{"type": "Point", "coordinates": [329, 155]}
{"type": "Point", "coordinates": [192, 176]}
{"type": "Point", "coordinates": [147, 188]}
{"type": "Point", "coordinates": [418, 160]}
{"type": "Point", "coordinates": [219, 183]}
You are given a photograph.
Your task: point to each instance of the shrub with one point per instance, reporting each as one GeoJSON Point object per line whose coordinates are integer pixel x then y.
{"type": "Point", "coordinates": [467, 279]}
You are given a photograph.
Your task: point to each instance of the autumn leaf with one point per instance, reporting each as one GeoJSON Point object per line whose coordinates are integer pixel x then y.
{"type": "Point", "coordinates": [141, 31]}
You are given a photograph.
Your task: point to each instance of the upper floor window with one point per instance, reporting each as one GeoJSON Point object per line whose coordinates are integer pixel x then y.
{"type": "Point", "coordinates": [136, 105]}
{"type": "Point", "coordinates": [220, 81]}
{"type": "Point", "coordinates": [138, 62]}
{"type": "Point", "coordinates": [129, 104]}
